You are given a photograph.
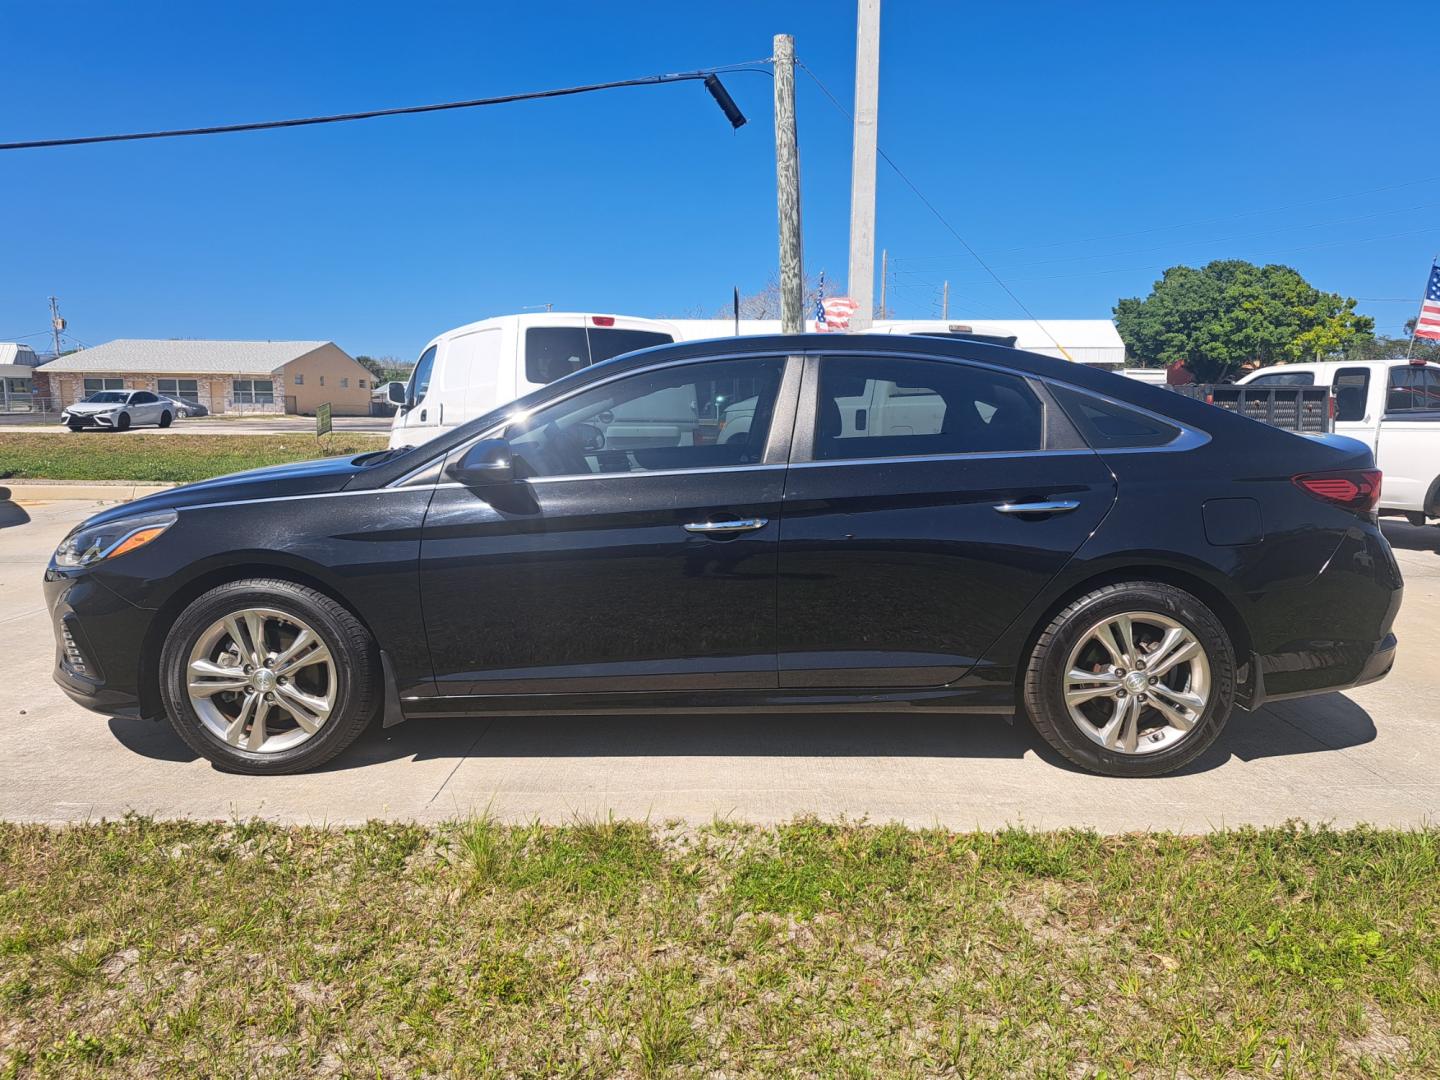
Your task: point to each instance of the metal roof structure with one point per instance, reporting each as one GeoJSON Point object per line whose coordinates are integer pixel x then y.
{"type": "Point", "coordinates": [185, 357]}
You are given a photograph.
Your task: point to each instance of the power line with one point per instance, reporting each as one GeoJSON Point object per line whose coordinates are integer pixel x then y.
{"type": "Point", "coordinates": [940, 217]}
{"type": "Point", "coordinates": [707, 76]}
{"type": "Point", "coordinates": [1209, 221]}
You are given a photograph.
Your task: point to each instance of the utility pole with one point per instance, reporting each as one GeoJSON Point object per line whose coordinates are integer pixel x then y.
{"type": "Point", "coordinates": [945, 301]}
{"type": "Point", "coordinates": [56, 322]}
{"type": "Point", "coordinates": [862, 163]}
{"type": "Point", "coordinates": [787, 189]}
{"type": "Point", "coordinates": [883, 261]}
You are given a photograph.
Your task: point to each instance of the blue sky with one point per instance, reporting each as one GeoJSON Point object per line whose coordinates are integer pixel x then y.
{"type": "Point", "coordinates": [1079, 148]}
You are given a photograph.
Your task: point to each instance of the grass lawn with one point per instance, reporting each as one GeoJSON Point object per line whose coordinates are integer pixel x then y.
{"type": "Point", "coordinates": [163, 458]}
{"type": "Point", "coordinates": [140, 948]}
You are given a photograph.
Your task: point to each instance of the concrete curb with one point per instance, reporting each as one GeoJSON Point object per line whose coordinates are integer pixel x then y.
{"type": "Point", "coordinates": [31, 491]}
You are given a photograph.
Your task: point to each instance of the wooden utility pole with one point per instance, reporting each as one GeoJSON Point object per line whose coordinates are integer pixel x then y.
{"type": "Point", "coordinates": [787, 190]}
{"type": "Point", "coordinates": [945, 301]}
{"type": "Point", "coordinates": [862, 163]}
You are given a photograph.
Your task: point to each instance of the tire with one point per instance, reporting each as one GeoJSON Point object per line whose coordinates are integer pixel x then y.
{"type": "Point", "coordinates": [165, 419]}
{"type": "Point", "coordinates": [122, 422]}
{"type": "Point", "coordinates": [1159, 745]}
{"type": "Point", "coordinates": [76, 428]}
{"type": "Point", "coordinates": [353, 663]}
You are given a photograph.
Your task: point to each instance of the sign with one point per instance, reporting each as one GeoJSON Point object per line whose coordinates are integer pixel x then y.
{"type": "Point", "coordinates": [322, 419]}
{"type": "Point", "coordinates": [838, 310]}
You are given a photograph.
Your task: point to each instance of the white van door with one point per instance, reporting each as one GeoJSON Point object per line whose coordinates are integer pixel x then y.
{"type": "Point", "coordinates": [468, 377]}
{"type": "Point", "coordinates": [419, 418]}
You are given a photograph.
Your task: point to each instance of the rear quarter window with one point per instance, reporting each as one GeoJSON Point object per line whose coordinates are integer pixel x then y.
{"type": "Point", "coordinates": [1106, 425]}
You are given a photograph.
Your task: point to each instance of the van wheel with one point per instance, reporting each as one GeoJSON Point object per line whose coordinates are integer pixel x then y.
{"type": "Point", "coordinates": [165, 419]}
{"type": "Point", "coordinates": [1134, 679]}
{"type": "Point", "coordinates": [266, 677]}
{"type": "Point", "coordinates": [122, 422]}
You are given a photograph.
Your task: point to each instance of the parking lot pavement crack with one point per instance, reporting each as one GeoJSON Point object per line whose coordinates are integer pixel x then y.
{"type": "Point", "coordinates": [463, 757]}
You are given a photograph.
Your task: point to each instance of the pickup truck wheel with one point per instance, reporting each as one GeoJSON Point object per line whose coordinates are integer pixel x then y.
{"type": "Point", "coordinates": [122, 422]}
{"type": "Point", "coordinates": [266, 677]}
{"type": "Point", "coordinates": [1134, 679]}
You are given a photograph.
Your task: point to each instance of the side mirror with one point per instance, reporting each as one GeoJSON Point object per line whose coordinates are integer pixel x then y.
{"type": "Point", "coordinates": [486, 462]}
{"type": "Point", "coordinates": [395, 393]}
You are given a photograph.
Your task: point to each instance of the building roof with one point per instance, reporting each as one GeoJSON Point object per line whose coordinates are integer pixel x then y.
{"type": "Point", "coordinates": [186, 357]}
{"type": "Point", "coordinates": [12, 352]}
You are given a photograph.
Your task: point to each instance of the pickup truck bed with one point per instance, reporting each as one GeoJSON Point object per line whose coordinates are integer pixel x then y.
{"type": "Point", "coordinates": [1304, 409]}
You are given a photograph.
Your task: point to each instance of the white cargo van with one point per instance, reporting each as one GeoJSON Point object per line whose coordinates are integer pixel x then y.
{"type": "Point", "coordinates": [466, 372]}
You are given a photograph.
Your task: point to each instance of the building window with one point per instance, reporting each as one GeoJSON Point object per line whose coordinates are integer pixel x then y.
{"type": "Point", "coordinates": [362, 384]}
{"type": "Point", "coordinates": [94, 386]}
{"type": "Point", "coordinates": [182, 389]}
{"type": "Point", "coordinates": [344, 382]}
{"type": "Point", "coordinates": [254, 391]}
{"type": "Point", "coordinates": [299, 378]}
{"type": "Point", "coordinates": [322, 380]}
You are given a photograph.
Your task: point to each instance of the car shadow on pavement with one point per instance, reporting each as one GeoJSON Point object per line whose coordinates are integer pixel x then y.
{"type": "Point", "coordinates": [11, 514]}
{"type": "Point", "coordinates": [1329, 723]}
{"type": "Point", "coordinates": [1407, 537]}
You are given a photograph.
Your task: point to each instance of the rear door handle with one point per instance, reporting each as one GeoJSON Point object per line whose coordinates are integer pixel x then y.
{"type": "Point", "coordinates": [726, 528]}
{"type": "Point", "coordinates": [1049, 506]}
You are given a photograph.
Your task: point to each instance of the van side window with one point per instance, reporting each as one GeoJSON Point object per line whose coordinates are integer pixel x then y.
{"type": "Point", "coordinates": [879, 407]}
{"type": "Point", "coordinates": [1413, 389]}
{"type": "Point", "coordinates": [1352, 390]}
{"type": "Point", "coordinates": [420, 377]}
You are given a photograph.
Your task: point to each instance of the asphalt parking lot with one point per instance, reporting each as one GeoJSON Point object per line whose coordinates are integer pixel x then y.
{"type": "Point", "coordinates": [1371, 755]}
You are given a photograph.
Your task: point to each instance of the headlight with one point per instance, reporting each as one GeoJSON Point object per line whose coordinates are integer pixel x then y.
{"type": "Point", "coordinates": [90, 544]}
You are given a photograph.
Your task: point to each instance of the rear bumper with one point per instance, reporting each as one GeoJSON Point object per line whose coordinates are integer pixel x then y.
{"type": "Point", "coordinates": [1328, 667]}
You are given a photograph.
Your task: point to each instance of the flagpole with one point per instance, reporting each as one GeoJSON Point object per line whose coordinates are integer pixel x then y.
{"type": "Point", "coordinates": [1410, 349]}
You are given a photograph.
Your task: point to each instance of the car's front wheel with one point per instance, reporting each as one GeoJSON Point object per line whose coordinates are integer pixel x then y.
{"type": "Point", "coordinates": [267, 676]}
{"type": "Point", "coordinates": [1133, 679]}
{"type": "Point", "coordinates": [122, 422]}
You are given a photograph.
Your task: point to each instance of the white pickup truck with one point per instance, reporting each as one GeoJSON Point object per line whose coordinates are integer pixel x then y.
{"type": "Point", "coordinates": [1393, 406]}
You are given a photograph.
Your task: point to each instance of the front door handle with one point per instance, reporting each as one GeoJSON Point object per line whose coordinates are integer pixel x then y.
{"type": "Point", "coordinates": [726, 528]}
{"type": "Point", "coordinates": [1049, 506]}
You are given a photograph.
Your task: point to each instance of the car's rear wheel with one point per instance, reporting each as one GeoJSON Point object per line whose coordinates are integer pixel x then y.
{"type": "Point", "coordinates": [266, 676]}
{"type": "Point", "coordinates": [1133, 679]}
{"type": "Point", "coordinates": [122, 422]}
{"type": "Point", "coordinates": [165, 419]}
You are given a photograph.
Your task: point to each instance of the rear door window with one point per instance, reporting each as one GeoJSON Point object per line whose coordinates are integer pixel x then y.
{"type": "Point", "coordinates": [1413, 389]}
{"type": "Point", "coordinates": [877, 407]}
{"type": "Point", "coordinates": [552, 352]}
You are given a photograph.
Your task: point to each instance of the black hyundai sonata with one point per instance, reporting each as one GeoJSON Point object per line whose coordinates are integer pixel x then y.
{"type": "Point", "coordinates": [816, 522]}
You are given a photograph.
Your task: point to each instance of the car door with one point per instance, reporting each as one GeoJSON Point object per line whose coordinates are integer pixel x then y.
{"type": "Point", "coordinates": [928, 502]}
{"type": "Point", "coordinates": [144, 408]}
{"type": "Point", "coordinates": [603, 568]}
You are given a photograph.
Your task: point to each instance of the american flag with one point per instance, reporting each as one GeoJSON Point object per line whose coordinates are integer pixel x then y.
{"type": "Point", "coordinates": [1428, 325]}
{"type": "Point", "coordinates": [820, 304]}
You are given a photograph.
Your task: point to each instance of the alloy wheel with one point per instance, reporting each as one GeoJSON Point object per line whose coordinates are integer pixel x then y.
{"type": "Point", "coordinates": [1137, 682]}
{"type": "Point", "coordinates": [261, 680]}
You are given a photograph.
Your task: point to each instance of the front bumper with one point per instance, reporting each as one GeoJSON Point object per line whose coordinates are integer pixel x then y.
{"type": "Point", "coordinates": [103, 420]}
{"type": "Point", "coordinates": [99, 643]}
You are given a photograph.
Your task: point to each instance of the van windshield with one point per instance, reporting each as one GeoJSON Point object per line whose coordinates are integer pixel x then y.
{"type": "Point", "coordinates": [554, 351]}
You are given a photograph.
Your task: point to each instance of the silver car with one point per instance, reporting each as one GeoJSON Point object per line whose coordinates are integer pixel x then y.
{"type": "Point", "coordinates": [119, 410]}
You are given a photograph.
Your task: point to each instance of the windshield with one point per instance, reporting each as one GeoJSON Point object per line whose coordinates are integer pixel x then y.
{"type": "Point", "coordinates": [552, 352]}
{"type": "Point", "coordinates": [107, 397]}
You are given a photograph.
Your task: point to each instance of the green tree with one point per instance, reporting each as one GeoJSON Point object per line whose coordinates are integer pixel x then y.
{"type": "Point", "coordinates": [1230, 312]}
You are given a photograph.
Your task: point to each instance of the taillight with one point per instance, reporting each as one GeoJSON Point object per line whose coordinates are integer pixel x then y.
{"type": "Point", "coordinates": [1354, 489]}
{"type": "Point", "coordinates": [603, 320]}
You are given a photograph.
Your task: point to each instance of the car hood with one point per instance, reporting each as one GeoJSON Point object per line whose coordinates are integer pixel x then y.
{"type": "Point", "coordinates": [86, 408]}
{"type": "Point", "coordinates": [278, 481]}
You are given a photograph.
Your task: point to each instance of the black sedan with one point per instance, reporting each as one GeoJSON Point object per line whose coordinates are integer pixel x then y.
{"type": "Point", "coordinates": [813, 522]}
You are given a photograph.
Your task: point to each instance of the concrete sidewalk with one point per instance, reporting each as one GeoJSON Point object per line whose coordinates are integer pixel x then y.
{"type": "Point", "coordinates": [1372, 755]}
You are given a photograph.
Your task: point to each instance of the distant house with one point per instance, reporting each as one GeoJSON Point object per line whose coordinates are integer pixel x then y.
{"type": "Point", "coordinates": [224, 376]}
